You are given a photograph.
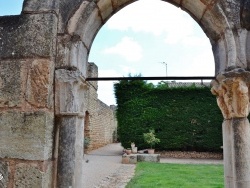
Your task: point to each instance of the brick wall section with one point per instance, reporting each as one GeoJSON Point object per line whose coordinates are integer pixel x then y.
{"type": "Point", "coordinates": [101, 124]}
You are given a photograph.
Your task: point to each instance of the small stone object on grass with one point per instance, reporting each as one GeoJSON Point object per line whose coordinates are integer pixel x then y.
{"type": "Point", "coordinates": [148, 158]}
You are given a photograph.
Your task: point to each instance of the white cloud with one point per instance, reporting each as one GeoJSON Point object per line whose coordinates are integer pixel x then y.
{"type": "Point", "coordinates": [108, 73]}
{"type": "Point", "coordinates": [105, 89]}
{"type": "Point", "coordinates": [160, 19]}
{"type": "Point", "coordinates": [128, 48]}
{"type": "Point", "coordinates": [128, 70]}
{"type": "Point", "coordinates": [202, 64]}
{"type": "Point", "coordinates": [199, 65]}
{"type": "Point", "coordinates": [106, 93]}
{"type": "Point", "coordinates": [195, 41]}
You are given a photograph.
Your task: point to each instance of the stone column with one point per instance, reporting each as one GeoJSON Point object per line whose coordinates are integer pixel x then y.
{"type": "Point", "coordinates": [231, 89]}
{"type": "Point", "coordinates": [70, 88]}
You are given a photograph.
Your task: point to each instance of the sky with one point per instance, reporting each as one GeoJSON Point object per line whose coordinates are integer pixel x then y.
{"type": "Point", "coordinates": [139, 38]}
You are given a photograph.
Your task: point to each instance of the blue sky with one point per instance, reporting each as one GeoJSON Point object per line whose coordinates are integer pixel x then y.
{"type": "Point", "coordinates": [10, 7]}
{"type": "Point", "coordinates": [140, 36]}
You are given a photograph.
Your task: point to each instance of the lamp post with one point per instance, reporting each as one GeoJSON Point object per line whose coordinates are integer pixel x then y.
{"type": "Point", "coordinates": [166, 67]}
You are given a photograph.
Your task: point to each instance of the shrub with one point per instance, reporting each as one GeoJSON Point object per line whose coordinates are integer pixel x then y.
{"type": "Point", "coordinates": [184, 118]}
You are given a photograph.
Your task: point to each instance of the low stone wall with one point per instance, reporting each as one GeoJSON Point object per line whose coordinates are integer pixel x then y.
{"type": "Point", "coordinates": [191, 155]}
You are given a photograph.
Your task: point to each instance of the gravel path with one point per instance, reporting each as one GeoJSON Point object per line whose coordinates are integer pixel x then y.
{"type": "Point", "coordinates": [103, 168]}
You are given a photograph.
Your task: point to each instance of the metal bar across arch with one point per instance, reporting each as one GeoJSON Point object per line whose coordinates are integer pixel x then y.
{"type": "Point", "coordinates": [151, 78]}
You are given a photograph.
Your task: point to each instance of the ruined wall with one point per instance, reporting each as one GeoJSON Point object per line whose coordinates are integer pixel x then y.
{"type": "Point", "coordinates": [27, 61]}
{"type": "Point", "coordinates": [101, 127]}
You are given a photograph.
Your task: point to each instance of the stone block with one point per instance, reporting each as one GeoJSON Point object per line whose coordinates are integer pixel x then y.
{"type": "Point", "coordinates": [176, 2]}
{"type": "Point", "coordinates": [39, 90]}
{"type": "Point", "coordinates": [214, 23]}
{"type": "Point", "coordinates": [40, 6]}
{"type": "Point", "coordinates": [148, 158]}
{"type": "Point", "coordinates": [32, 175]}
{"type": "Point", "coordinates": [129, 159]}
{"type": "Point", "coordinates": [26, 135]}
{"type": "Point", "coordinates": [117, 4]}
{"type": "Point", "coordinates": [105, 8]}
{"type": "Point", "coordinates": [63, 8]}
{"type": "Point", "coordinates": [10, 83]}
{"type": "Point", "coordinates": [195, 7]}
{"type": "Point", "coordinates": [26, 79]}
{"type": "Point", "coordinates": [72, 53]}
{"type": "Point", "coordinates": [28, 35]}
{"type": "Point", "coordinates": [94, 23]}
{"type": "Point", "coordinates": [87, 24]}
{"type": "Point", "coordinates": [67, 9]}
{"type": "Point", "coordinates": [79, 14]}
{"type": "Point", "coordinates": [4, 174]}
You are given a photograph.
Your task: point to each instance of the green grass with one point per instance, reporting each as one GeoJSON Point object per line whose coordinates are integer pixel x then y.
{"type": "Point", "coordinates": [158, 175]}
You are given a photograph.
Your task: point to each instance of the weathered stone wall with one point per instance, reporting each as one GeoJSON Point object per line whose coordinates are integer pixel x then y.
{"type": "Point", "coordinates": [102, 125]}
{"type": "Point", "coordinates": [27, 61]}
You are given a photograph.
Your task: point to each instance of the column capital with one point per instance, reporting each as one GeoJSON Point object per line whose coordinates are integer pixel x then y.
{"type": "Point", "coordinates": [232, 91]}
{"type": "Point", "coordinates": [70, 92]}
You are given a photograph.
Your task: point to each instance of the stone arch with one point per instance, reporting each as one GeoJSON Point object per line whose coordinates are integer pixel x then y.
{"type": "Point", "coordinates": [224, 22]}
{"type": "Point", "coordinates": [218, 20]}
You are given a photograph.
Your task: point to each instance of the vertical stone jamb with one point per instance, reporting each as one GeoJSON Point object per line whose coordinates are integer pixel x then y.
{"type": "Point", "coordinates": [70, 109]}
{"type": "Point", "coordinates": [228, 154]}
{"type": "Point", "coordinates": [232, 91]}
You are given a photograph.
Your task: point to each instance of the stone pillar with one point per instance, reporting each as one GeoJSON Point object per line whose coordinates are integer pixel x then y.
{"type": "Point", "coordinates": [231, 89]}
{"type": "Point", "coordinates": [70, 88]}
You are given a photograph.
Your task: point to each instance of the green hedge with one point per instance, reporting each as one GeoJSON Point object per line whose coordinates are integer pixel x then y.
{"type": "Point", "coordinates": [184, 118]}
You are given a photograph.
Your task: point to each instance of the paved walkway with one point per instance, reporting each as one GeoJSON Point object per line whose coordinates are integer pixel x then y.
{"type": "Point", "coordinates": [103, 168]}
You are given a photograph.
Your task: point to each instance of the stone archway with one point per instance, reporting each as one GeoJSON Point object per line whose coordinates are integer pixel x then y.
{"type": "Point", "coordinates": [41, 120]}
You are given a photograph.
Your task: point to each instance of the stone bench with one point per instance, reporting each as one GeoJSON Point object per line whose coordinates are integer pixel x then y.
{"type": "Point", "coordinates": [134, 158]}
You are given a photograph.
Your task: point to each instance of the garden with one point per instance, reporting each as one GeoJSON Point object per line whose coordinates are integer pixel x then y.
{"type": "Point", "coordinates": [166, 118]}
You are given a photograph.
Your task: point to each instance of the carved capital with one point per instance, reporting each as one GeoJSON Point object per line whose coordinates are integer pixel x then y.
{"type": "Point", "coordinates": [70, 90]}
{"type": "Point", "coordinates": [232, 91]}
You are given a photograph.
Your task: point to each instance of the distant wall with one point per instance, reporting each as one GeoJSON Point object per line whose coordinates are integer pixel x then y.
{"type": "Point", "coordinates": [100, 121]}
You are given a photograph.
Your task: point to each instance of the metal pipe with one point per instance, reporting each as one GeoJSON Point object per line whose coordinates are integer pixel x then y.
{"type": "Point", "coordinates": [151, 78]}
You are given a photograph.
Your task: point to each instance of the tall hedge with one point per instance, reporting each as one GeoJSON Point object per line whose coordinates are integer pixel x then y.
{"type": "Point", "coordinates": [184, 118]}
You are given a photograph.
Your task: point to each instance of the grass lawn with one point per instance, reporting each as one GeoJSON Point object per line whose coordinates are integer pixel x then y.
{"type": "Point", "coordinates": [163, 175]}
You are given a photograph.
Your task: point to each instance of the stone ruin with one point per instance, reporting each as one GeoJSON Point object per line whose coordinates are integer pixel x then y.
{"type": "Point", "coordinates": [43, 70]}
